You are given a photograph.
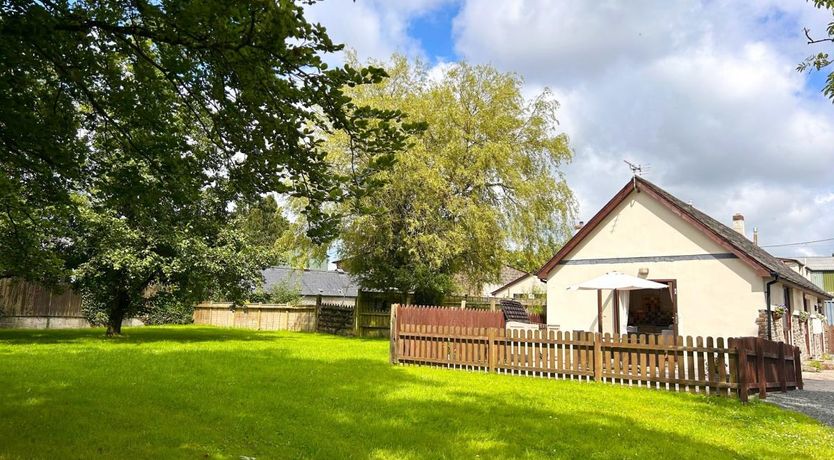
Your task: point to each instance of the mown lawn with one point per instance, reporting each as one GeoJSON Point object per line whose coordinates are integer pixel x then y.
{"type": "Point", "coordinates": [193, 392]}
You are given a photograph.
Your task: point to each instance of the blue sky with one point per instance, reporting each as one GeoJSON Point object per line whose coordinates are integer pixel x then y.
{"type": "Point", "coordinates": [434, 32]}
{"type": "Point", "coordinates": [704, 91]}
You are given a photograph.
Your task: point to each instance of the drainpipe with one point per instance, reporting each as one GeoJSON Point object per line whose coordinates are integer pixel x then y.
{"type": "Point", "coordinates": [767, 299]}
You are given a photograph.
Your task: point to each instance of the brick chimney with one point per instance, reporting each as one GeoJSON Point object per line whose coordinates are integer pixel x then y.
{"type": "Point", "coordinates": [738, 223]}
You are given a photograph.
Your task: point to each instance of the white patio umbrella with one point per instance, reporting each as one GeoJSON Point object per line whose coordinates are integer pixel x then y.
{"type": "Point", "coordinates": [616, 282]}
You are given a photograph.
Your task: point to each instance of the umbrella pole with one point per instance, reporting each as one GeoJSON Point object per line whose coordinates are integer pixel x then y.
{"type": "Point", "coordinates": [599, 310]}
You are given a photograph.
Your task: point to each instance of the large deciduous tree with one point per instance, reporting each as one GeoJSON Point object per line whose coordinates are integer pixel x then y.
{"type": "Point", "coordinates": [483, 181]}
{"type": "Point", "coordinates": [130, 130]}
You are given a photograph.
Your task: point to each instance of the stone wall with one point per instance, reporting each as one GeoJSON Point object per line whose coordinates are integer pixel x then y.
{"type": "Point", "coordinates": [777, 327]}
{"type": "Point", "coordinates": [817, 343]}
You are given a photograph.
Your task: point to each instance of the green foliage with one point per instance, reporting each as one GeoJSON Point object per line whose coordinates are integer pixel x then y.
{"type": "Point", "coordinates": [821, 60]}
{"type": "Point", "coordinates": [168, 309]}
{"type": "Point", "coordinates": [199, 392]}
{"type": "Point", "coordinates": [279, 293]}
{"type": "Point", "coordinates": [130, 130]}
{"type": "Point", "coordinates": [481, 182]}
{"type": "Point", "coordinates": [264, 226]}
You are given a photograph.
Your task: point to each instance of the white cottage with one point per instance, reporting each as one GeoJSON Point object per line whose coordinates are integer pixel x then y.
{"type": "Point", "coordinates": [719, 281]}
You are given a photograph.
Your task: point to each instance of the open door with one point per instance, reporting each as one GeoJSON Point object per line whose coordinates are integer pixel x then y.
{"type": "Point", "coordinates": [654, 311]}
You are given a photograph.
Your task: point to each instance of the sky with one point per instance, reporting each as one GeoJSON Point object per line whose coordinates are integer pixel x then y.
{"type": "Point", "coordinates": [703, 93]}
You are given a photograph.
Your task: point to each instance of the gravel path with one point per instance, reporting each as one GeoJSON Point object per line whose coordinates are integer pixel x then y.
{"type": "Point", "coordinates": [815, 400]}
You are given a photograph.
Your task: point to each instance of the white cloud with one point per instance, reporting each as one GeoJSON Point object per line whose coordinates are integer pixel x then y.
{"type": "Point", "coordinates": [705, 92]}
{"type": "Point", "coordinates": [824, 199]}
{"type": "Point", "coordinates": [373, 28]}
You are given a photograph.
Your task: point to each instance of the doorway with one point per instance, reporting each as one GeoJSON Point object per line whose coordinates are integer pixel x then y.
{"type": "Point", "coordinates": [653, 311]}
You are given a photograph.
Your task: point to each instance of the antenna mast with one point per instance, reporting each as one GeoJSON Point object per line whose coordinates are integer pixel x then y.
{"type": "Point", "coordinates": [636, 169]}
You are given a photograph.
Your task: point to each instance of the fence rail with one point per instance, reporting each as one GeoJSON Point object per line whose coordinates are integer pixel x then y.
{"type": "Point", "coordinates": [697, 365]}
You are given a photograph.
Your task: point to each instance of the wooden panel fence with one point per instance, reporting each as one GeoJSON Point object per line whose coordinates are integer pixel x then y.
{"type": "Point", "coordinates": [265, 317]}
{"type": "Point", "coordinates": [373, 323]}
{"type": "Point", "coordinates": [690, 364]}
{"type": "Point", "coordinates": [25, 299]}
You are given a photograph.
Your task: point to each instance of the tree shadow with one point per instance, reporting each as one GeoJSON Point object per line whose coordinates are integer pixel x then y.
{"type": "Point", "coordinates": [135, 335]}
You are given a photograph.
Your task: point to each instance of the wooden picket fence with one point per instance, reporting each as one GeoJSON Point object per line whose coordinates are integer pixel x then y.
{"type": "Point", "coordinates": [697, 365]}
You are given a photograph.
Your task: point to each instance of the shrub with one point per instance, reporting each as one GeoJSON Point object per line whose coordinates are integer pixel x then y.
{"type": "Point", "coordinates": [163, 308]}
{"type": "Point", "coordinates": [168, 311]}
{"type": "Point", "coordinates": [279, 293]}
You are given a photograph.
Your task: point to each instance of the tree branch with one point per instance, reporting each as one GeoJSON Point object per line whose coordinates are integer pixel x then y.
{"type": "Point", "coordinates": [812, 41]}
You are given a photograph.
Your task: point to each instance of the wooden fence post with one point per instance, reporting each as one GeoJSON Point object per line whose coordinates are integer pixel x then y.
{"type": "Point", "coordinates": [491, 349]}
{"type": "Point", "coordinates": [394, 334]}
{"type": "Point", "coordinates": [598, 357]}
{"type": "Point", "coordinates": [760, 368]}
{"type": "Point", "coordinates": [741, 369]}
{"type": "Point", "coordinates": [797, 362]}
{"type": "Point", "coordinates": [316, 317]}
{"type": "Point", "coordinates": [357, 315]}
{"type": "Point", "coordinates": [492, 304]}
{"type": "Point", "coordinates": [783, 369]}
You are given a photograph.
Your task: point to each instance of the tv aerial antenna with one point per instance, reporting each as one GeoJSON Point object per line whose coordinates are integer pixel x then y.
{"type": "Point", "coordinates": [636, 169]}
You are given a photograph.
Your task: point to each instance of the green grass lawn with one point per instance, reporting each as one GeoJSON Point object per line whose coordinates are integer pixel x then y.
{"type": "Point", "coordinates": [193, 392]}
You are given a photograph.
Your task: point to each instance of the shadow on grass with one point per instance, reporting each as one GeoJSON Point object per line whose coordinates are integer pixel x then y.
{"type": "Point", "coordinates": [384, 418]}
{"type": "Point", "coordinates": [137, 335]}
{"type": "Point", "coordinates": [297, 399]}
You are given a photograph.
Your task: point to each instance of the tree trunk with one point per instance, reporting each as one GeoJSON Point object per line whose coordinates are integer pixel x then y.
{"type": "Point", "coordinates": [114, 324]}
{"type": "Point", "coordinates": [117, 315]}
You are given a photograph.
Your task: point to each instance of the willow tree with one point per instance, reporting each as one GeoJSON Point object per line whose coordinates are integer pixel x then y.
{"type": "Point", "coordinates": [130, 130]}
{"type": "Point", "coordinates": [480, 185]}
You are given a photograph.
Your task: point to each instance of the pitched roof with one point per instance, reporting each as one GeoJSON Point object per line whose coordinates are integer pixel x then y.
{"type": "Point", "coordinates": [509, 274]}
{"type": "Point", "coordinates": [757, 258]}
{"type": "Point", "coordinates": [818, 263]}
{"type": "Point", "coordinates": [513, 282]}
{"type": "Point", "coordinates": [505, 275]}
{"type": "Point", "coordinates": [312, 282]}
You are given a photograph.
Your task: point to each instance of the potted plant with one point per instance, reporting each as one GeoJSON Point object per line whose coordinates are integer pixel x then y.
{"type": "Point", "coordinates": [803, 316]}
{"type": "Point", "coordinates": [778, 312]}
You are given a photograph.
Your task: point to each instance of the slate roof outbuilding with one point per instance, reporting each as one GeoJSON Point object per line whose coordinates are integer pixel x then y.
{"type": "Point", "coordinates": [312, 282]}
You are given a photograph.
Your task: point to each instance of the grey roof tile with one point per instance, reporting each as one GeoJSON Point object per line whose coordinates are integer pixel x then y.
{"type": "Point", "coordinates": [740, 242]}
{"type": "Point", "coordinates": [312, 282]}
